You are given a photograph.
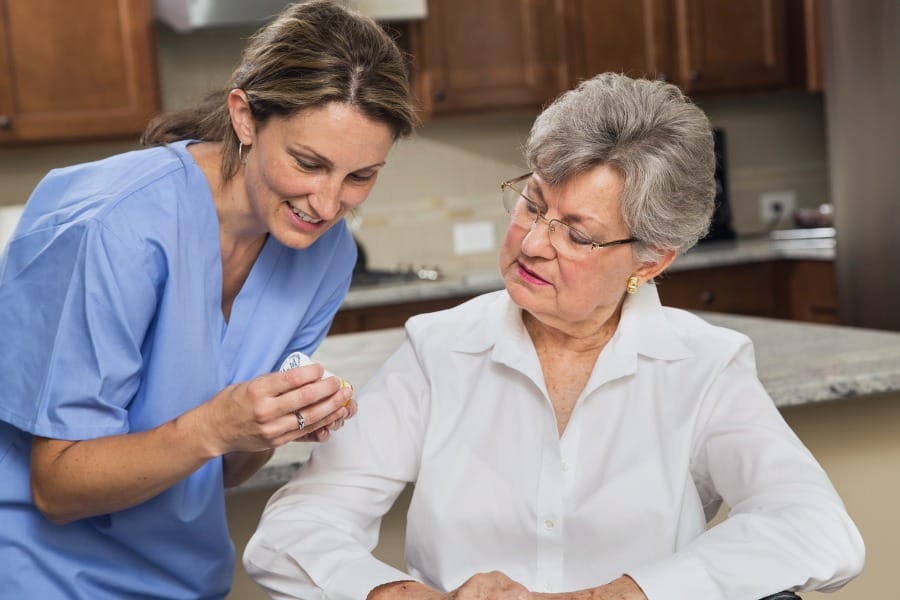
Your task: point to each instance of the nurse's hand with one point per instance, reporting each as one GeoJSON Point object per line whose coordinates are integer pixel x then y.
{"type": "Point", "coordinates": [267, 412]}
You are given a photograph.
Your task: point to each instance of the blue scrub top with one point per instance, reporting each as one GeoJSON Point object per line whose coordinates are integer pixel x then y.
{"type": "Point", "coordinates": [110, 308]}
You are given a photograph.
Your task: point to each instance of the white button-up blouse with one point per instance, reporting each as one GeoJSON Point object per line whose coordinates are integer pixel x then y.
{"type": "Point", "coordinates": [672, 421]}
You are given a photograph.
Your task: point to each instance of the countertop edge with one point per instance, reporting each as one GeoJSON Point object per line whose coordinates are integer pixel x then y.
{"type": "Point", "coordinates": [799, 364]}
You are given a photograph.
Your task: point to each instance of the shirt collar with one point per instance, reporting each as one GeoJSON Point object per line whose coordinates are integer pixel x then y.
{"type": "Point", "coordinates": [501, 324]}
{"type": "Point", "coordinates": [644, 320]}
{"type": "Point", "coordinates": [643, 330]}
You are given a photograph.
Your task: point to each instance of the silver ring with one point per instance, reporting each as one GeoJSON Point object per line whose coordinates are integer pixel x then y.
{"type": "Point", "coordinates": [301, 422]}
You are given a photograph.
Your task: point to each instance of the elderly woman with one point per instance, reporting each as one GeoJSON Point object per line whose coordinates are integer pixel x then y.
{"type": "Point", "coordinates": [569, 437]}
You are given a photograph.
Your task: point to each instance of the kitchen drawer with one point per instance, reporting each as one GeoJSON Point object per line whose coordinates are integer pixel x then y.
{"type": "Point", "coordinates": [807, 291]}
{"type": "Point", "coordinates": [739, 289]}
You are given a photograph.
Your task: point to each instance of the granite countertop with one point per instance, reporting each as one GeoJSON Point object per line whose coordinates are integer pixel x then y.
{"type": "Point", "coordinates": [795, 244]}
{"type": "Point", "coordinates": [799, 364]}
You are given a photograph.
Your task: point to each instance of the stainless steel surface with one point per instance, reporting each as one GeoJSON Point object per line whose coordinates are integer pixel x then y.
{"type": "Point", "coordinates": [862, 107]}
{"type": "Point", "coordinates": [813, 233]}
{"type": "Point", "coordinates": [402, 274]}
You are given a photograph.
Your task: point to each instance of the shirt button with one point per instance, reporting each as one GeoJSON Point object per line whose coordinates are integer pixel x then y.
{"type": "Point", "coordinates": [549, 524]}
{"type": "Point", "coordinates": [565, 466]}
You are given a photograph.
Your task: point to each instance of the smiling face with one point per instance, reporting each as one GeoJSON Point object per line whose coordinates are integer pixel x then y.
{"type": "Point", "coordinates": [574, 295]}
{"type": "Point", "coordinates": [303, 173]}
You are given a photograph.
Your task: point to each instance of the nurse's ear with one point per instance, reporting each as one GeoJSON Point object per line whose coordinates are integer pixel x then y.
{"type": "Point", "coordinates": [241, 116]}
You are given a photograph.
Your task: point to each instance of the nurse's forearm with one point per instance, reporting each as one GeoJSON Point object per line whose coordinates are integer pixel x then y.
{"type": "Point", "coordinates": [74, 480]}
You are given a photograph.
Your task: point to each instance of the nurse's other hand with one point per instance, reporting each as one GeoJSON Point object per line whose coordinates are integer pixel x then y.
{"type": "Point", "coordinates": [261, 413]}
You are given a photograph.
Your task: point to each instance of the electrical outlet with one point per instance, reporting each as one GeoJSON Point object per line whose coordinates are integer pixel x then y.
{"type": "Point", "coordinates": [474, 237]}
{"type": "Point", "coordinates": [775, 206]}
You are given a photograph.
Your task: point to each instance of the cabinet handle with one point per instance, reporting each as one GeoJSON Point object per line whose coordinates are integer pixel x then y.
{"type": "Point", "coordinates": [5, 121]}
{"type": "Point", "coordinates": [707, 297]}
{"type": "Point", "coordinates": [439, 95]}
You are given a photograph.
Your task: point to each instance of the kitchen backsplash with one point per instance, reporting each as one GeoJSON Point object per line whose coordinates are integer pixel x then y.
{"type": "Point", "coordinates": [448, 175]}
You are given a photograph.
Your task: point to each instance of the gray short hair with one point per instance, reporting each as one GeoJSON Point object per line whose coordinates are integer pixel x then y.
{"type": "Point", "coordinates": [658, 140]}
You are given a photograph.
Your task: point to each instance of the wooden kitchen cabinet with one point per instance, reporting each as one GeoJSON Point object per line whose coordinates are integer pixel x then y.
{"type": "Point", "coordinates": [385, 316]}
{"type": "Point", "coordinates": [806, 291]}
{"type": "Point", "coordinates": [634, 38]}
{"type": "Point", "coordinates": [475, 56]}
{"type": "Point", "coordinates": [727, 46]}
{"type": "Point", "coordinates": [702, 46]}
{"type": "Point", "coordinates": [76, 70]}
{"type": "Point", "coordinates": [799, 290]}
{"type": "Point", "coordinates": [804, 21]}
{"type": "Point", "coordinates": [471, 55]}
{"type": "Point", "coordinates": [738, 289]}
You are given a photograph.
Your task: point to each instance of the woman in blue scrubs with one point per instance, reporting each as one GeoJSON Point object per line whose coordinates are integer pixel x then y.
{"type": "Point", "coordinates": [148, 300]}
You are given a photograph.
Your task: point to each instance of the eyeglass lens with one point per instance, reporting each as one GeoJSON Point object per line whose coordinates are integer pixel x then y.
{"type": "Point", "coordinates": [526, 214]}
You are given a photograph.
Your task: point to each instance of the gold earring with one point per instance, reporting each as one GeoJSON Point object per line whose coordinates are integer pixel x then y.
{"type": "Point", "coordinates": [632, 286]}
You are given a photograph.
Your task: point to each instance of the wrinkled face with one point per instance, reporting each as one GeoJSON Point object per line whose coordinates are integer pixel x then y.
{"type": "Point", "coordinates": [303, 173]}
{"type": "Point", "coordinates": [567, 293]}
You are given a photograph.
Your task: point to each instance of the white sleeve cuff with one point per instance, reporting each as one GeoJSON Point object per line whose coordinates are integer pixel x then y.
{"type": "Point", "coordinates": [354, 580]}
{"type": "Point", "coordinates": [283, 577]}
{"type": "Point", "coordinates": [677, 577]}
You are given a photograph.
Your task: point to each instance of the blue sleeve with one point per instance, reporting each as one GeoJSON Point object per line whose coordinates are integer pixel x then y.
{"type": "Point", "coordinates": [75, 305]}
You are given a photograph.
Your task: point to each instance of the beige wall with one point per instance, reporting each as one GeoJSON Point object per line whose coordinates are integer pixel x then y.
{"type": "Point", "coordinates": [450, 172]}
{"type": "Point", "coordinates": [855, 441]}
{"type": "Point", "coordinates": [857, 444]}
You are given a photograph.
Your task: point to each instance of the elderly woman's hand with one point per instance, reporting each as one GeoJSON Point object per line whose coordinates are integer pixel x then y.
{"type": "Point", "coordinates": [623, 588]}
{"type": "Point", "coordinates": [497, 586]}
{"type": "Point", "coordinates": [481, 586]}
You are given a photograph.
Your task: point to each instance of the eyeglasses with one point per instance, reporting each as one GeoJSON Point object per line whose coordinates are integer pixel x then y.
{"type": "Point", "coordinates": [526, 213]}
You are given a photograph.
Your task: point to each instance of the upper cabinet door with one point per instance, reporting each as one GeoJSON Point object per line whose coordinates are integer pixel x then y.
{"type": "Point", "coordinates": [726, 45]}
{"type": "Point", "coordinates": [74, 70]}
{"type": "Point", "coordinates": [475, 55]}
{"type": "Point", "coordinates": [479, 55]}
{"type": "Point", "coordinates": [631, 37]}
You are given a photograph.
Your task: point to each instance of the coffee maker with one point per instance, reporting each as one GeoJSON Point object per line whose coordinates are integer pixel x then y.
{"type": "Point", "coordinates": [720, 228]}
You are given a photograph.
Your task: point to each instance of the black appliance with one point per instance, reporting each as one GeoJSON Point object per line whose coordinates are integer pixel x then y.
{"type": "Point", "coordinates": [720, 227]}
